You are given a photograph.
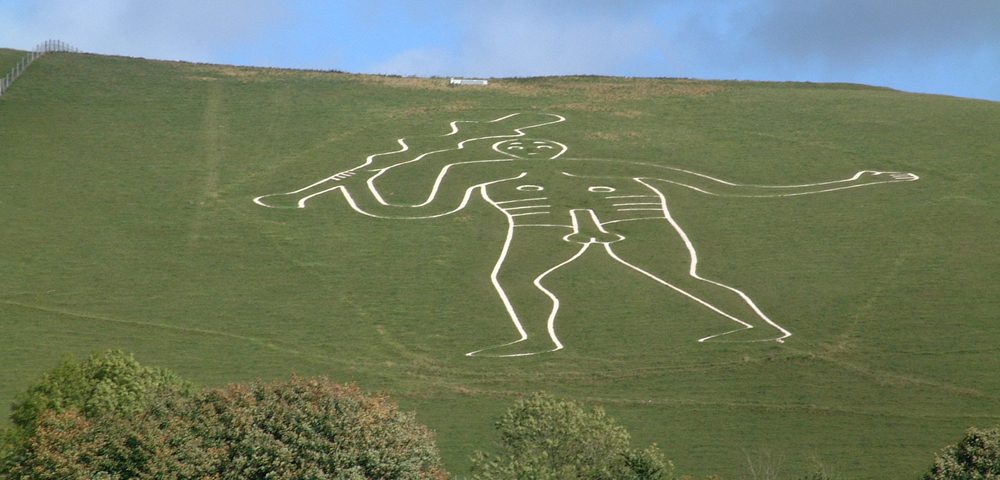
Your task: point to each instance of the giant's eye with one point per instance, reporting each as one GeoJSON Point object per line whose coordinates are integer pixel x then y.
{"type": "Point", "coordinates": [515, 147]}
{"type": "Point", "coordinates": [544, 146]}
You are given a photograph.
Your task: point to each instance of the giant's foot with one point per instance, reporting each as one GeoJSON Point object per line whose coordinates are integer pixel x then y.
{"type": "Point", "coordinates": [746, 335]}
{"type": "Point", "coordinates": [520, 348]}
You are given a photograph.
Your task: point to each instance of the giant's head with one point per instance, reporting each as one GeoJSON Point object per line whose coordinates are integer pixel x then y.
{"type": "Point", "coordinates": [530, 148]}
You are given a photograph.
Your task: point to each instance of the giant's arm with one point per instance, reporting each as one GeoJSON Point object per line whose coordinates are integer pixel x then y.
{"type": "Point", "coordinates": [434, 155]}
{"type": "Point", "coordinates": [447, 193]}
{"type": "Point", "coordinates": [716, 186]}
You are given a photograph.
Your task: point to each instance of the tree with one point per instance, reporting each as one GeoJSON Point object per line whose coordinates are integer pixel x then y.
{"type": "Point", "coordinates": [162, 441]}
{"type": "Point", "coordinates": [106, 382]}
{"type": "Point", "coordinates": [975, 457]}
{"type": "Point", "coordinates": [303, 428]}
{"type": "Point", "coordinates": [110, 381]}
{"type": "Point", "coordinates": [544, 438]}
{"type": "Point", "coordinates": [314, 428]}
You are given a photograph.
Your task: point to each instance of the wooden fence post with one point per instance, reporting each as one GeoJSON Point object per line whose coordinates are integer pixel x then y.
{"type": "Point", "coordinates": [22, 64]}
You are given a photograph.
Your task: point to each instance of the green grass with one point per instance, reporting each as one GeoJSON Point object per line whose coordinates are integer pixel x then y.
{"type": "Point", "coordinates": [9, 58]}
{"type": "Point", "coordinates": [125, 190]}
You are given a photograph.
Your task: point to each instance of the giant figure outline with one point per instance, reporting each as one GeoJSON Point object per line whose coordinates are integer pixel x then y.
{"type": "Point", "coordinates": [506, 184]}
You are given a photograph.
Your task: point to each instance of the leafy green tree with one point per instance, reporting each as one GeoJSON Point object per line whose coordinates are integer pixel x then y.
{"type": "Point", "coordinates": [106, 382]}
{"type": "Point", "coordinates": [975, 457]}
{"type": "Point", "coordinates": [162, 441]}
{"type": "Point", "coordinates": [303, 428]}
{"type": "Point", "coordinates": [544, 438]}
{"type": "Point", "coordinates": [314, 428]}
{"type": "Point", "coordinates": [111, 381]}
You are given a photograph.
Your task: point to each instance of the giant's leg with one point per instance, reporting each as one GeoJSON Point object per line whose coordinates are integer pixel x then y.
{"type": "Point", "coordinates": [528, 256]}
{"type": "Point", "coordinates": [661, 251]}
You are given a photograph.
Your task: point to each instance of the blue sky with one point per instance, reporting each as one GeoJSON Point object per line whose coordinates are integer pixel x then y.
{"type": "Point", "coordinates": [949, 47]}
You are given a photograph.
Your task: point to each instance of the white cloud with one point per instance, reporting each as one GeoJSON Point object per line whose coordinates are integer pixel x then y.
{"type": "Point", "coordinates": [178, 29]}
{"type": "Point", "coordinates": [922, 45]}
{"type": "Point", "coordinates": [536, 38]}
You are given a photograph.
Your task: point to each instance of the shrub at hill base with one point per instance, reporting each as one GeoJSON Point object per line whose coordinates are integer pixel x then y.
{"type": "Point", "coordinates": [975, 457]}
{"type": "Point", "coordinates": [544, 438]}
{"type": "Point", "coordinates": [302, 428]}
{"type": "Point", "coordinates": [104, 383]}
{"type": "Point", "coordinates": [313, 428]}
{"type": "Point", "coordinates": [111, 381]}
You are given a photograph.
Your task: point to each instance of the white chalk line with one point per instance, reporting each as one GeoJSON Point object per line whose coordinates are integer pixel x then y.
{"type": "Point", "coordinates": [526, 207]}
{"type": "Point", "coordinates": [550, 323]}
{"type": "Point", "coordinates": [462, 204]}
{"type": "Point", "coordinates": [529, 213]}
{"type": "Point", "coordinates": [519, 200]}
{"type": "Point", "coordinates": [403, 148]}
{"type": "Point", "coordinates": [511, 312]}
{"type": "Point", "coordinates": [661, 207]}
{"type": "Point", "coordinates": [553, 313]}
{"type": "Point", "coordinates": [746, 326]}
{"type": "Point", "coordinates": [496, 282]}
{"type": "Point", "coordinates": [630, 220]}
{"type": "Point", "coordinates": [693, 271]}
{"type": "Point", "coordinates": [460, 146]}
{"type": "Point", "coordinates": [895, 178]}
{"type": "Point", "coordinates": [589, 217]}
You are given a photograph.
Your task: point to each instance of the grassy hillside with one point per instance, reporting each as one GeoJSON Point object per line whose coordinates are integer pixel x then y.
{"type": "Point", "coordinates": [9, 58]}
{"type": "Point", "coordinates": [125, 200]}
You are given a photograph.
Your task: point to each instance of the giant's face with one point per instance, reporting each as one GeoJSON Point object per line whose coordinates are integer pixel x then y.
{"type": "Point", "coordinates": [530, 148]}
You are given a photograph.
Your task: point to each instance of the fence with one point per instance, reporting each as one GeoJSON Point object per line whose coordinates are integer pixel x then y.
{"type": "Point", "coordinates": [22, 65]}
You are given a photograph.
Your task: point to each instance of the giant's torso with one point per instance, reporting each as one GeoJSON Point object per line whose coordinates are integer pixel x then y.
{"type": "Point", "coordinates": [546, 197]}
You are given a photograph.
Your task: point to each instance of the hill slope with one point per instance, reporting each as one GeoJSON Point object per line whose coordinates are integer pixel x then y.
{"type": "Point", "coordinates": [125, 195]}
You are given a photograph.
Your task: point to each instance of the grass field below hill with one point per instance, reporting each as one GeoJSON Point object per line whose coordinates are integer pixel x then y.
{"type": "Point", "coordinates": [126, 192]}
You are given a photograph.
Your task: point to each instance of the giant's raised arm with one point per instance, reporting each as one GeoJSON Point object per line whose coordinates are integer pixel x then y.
{"type": "Point", "coordinates": [447, 193]}
{"type": "Point", "coordinates": [712, 185]}
{"type": "Point", "coordinates": [715, 186]}
{"type": "Point", "coordinates": [423, 153]}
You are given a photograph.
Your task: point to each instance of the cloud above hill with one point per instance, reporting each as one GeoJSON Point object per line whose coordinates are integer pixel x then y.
{"type": "Point", "coordinates": [177, 29]}
{"type": "Point", "coordinates": [910, 44]}
{"type": "Point", "coordinates": [921, 45]}
{"type": "Point", "coordinates": [837, 36]}
{"type": "Point", "coordinates": [522, 38]}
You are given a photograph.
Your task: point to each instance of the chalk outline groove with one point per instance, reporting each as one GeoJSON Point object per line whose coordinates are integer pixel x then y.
{"type": "Point", "coordinates": [513, 144]}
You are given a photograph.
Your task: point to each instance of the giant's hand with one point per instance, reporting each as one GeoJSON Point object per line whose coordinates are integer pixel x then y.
{"type": "Point", "coordinates": [875, 176]}
{"type": "Point", "coordinates": [279, 200]}
{"type": "Point", "coordinates": [297, 198]}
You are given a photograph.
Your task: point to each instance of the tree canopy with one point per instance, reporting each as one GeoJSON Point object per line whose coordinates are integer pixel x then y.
{"type": "Point", "coordinates": [542, 438]}
{"type": "Point", "coordinates": [111, 418]}
{"type": "Point", "coordinates": [110, 381]}
{"type": "Point", "coordinates": [975, 457]}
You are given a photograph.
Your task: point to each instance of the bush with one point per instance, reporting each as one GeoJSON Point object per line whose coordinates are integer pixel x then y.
{"type": "Point", "coordinates": [544, 438]}
{"type": "Point", "coordinates": [313, 428]}
{"type": "Point", "coordinates": [162, 441]}
{"type": "Point", "coordinates": [110, 381]}
{"type": "Point", "coordinates": [297, 429]}
{"type": "Point", "coordinates": [105, 383]}
{"type": "Point", "coordinates": [975, 457]}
